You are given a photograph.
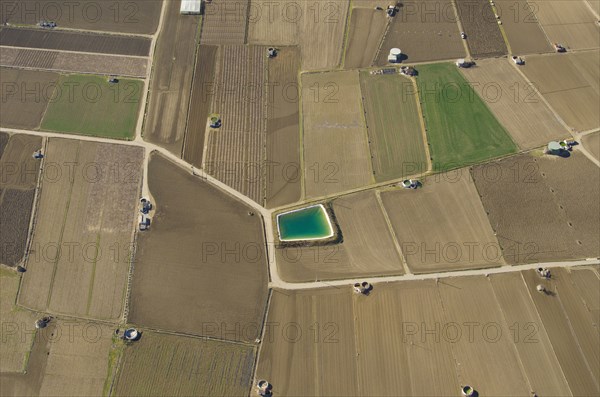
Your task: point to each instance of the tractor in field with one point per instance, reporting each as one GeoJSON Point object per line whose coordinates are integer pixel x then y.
{"type": "Point", "coordinates": [518, 60]}
{"type": "Point", "coordinates": [559, 47]}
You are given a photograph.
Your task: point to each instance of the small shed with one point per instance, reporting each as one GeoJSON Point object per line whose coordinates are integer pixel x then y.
{"type": "Point", "coordinates": [190, 7]}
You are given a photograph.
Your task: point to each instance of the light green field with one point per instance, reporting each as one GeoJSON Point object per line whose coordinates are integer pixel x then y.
{"type": "Point", "coordinates": [393, 125]}
{"type": "Point", "coordinates": [460, 128]}
{"type": "Point", "coordinates": [89, 105]}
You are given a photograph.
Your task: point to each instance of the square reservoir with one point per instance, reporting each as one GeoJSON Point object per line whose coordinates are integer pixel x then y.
{"type": "Point", "coordinates": [305, 224]}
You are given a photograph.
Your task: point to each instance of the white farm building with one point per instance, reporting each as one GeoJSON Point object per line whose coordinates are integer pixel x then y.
{"type": "Point", "coordinates": [190, 7]}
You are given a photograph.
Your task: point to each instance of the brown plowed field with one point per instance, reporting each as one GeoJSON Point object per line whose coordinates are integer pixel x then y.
{"type": "Point", "coordinates": [18, 168]}
{"type": "Point", "coordinates": [24, 96]}
{"type": "Point", "coordinates": [442, 226]}
{"type": "Point", "coordinates": [592, 144]}
{"type": "Point", "coordinates": [171, 81]}
{"type": "Point", "coordinates": [569, 82]}
{"type": "Point", "coordinates": [79, 42]}
{"type": "Point", "coordinates": [200, 104]}
{"type": "Point", "coordinates": [367, 27]}
{"type": "Point", "coordinates": [515, 103]}
{"type": "Point", "coordinates": [588, 284]}
{"type": "Point", "coordinates": [542, 209]}
{"type": "Point", "coordinates": [594, 5]}
{"type": "Point", "coordinates": [479, 23]}
{"type": "Point", "coordinates": [424, 31]}
{"type": "Point", "coordinates": [283, 183]}
{"type": "Point", "coordinates": [224, 22]}
{"type": "Point", "coordinates": [521, 26]}
{"type": "Point", "coordinates": [136, 16]}
{"type": "Point", "coordinates": [236, 150]}
{"type": "Point", "coordinates": [367, 247]}
{"type": "Point", "coordinates": [201, 268]}
{"type": "Point", "coordinates": [4, 137]}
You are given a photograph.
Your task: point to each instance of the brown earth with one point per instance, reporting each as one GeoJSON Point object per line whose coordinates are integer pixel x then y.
{"type": "Point", "coordinates": [18, 168]}
{"type": "Point", "coordinates": [225, 22]}
{"type": "Point", "coordinates": [367, 27]}
{"type": "Point", "coordinates": [524, 33]}
{"type": "Point", "coordinates": [4, 137]}
{"type": "Point", "coordinates": [591, 143]}
{"type": "Point", "coordinates": [201, 268]}
{"type": "Point", "coordinates": [479, 23]}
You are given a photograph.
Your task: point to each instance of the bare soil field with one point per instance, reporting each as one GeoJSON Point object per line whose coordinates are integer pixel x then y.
{"type": "Point", "coordinates": [367, 27]}
{"type": "Point", "coordinates": [200, 104]}
{"type": "Point", "coordinates": [368, 247]}
{"type": "Point", "coordinates": [138, 16]}
{"type": "Point", "coordinates": [24, 96]}
{"type": "Point", "coordinates": [442, 226]}
{"type": "Point", "coordinates": [588, 284]}
{"type": "Point", "coordinates": [80, 254]}
{"type": "Point", "coordinates": [236, 151]}
{"type": "Point", "coordinates": [224, 22]}
{"type": "Point", "coordinates": [171, 81]}
{"type": "Point", "coordinates": [515, 103]}
{"type": "Point", "coordinates": [570, 84]}
{"type": "Point", "coordinates": [479, 23]}
{"type": "Point", "coordinates": [283, 178]}
{"type": "Point", "coordinates": [594, 5]}
{"type": "Point", "coordinates": [78, 42]}
{"type": "Point", "coordinates": [318, 28]}
{"type": "Point", "coordinates": [570, 23]}
{"type": "Point", "coordinates": [424, 31]}
{"type": "Point", "coordinates": [592, 144]}
{"type": "Point", "coordinates": [336, 151]}
{"type": "Point", "coordinates": [201, 268]}
{"type": "Point", "coordinates": [522, 28]}
{"type": "Point", "coordinates": [4, 137]}
{"type": "Point", "coordinates": [72, 62]}
{"type": "Point", "coordinates": [18, 168]}
{"type": "Point", "coordinates": [183, 366]}
{"type": "Point", "coordinates": [536, 213]}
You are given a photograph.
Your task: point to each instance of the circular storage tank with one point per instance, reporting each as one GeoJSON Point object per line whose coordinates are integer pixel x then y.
{"type": "Point", "coordinates": [395, 52]}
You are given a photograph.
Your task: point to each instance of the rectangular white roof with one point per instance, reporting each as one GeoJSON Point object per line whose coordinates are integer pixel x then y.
{"type": "Point", "coordinates": [190, 6]}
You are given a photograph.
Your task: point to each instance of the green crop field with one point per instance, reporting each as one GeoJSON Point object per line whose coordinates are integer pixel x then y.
{"type": "Point", "coordinates": [395, 134]}
{"type": "Point", "coordinates": [460, 128]}
{"type": "Point", "coordinates": [90, 105]}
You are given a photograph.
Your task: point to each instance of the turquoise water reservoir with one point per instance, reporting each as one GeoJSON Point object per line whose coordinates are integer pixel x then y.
{"type": "Point", "coordinates": [310, 223]}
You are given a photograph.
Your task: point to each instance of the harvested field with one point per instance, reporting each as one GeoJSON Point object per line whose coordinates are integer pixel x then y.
{"type": "Point", "coordinates": [200, 104]}
{"type": "Point", "coordinates": [24, 96]}
{"type": "Point", "coordinates": [78, 42]}
{"type": "Point", "coordinates": [73, 62]}
{"type": "Point", "coordinates": [318, 28]}
{"type": "Point", "coordinates": [588, 284]}
{"type": "Point", "coordinates": [535, 211]}
{"type": "Point", "coordinates": [461, 129]}
{"type": "Point", "coordinates": [396, 136]}
{"type": "Point", "coordinates": [479, 23]}
{"type": "Point", "coordinates": [105, 15]}
{"type": "Point", "coordinates": [570, 23]}
{"type": "Point", "coordinates": [367, 27]}
{"type": "Point", "coordinates": [18, 168]}
{"type": "Point", "coordinates": [570, 84]}
{"type": "Point", "coordinates": [592, 144]}
{"type": "Point", "coordinates": [521, 26]}
{"type": "Point", "coordinates": [224, 22]}
{"type": "Point", "coordinates": [195, 273]}
{"type": "Point", "coordinates": [594, 5]}
{"type": "Point", "coordinates": [515, 103]}
{"type": "Point", "coordinates": [336, 151]}
{"type": "Point", "coordinates": [283, 183]}
{"type": "Point", "coordinates": [424, 31]}
{"type": "Point", "coordinates": [171, 83]}
{"type": "Point", "coordinates": [4, 137]}
{"type": "Point", "coordinates": [184, 366]}
{"type": "Point", "coordinates": [236, 151]}
{"type": "Point", "coordinates": [367, 248]}
{"type": "Point", "coordinates": [450, 231]}
{"type": "Point", "coordinates": [80, 254]}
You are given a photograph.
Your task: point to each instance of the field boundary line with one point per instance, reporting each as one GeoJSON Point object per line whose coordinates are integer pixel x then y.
{"type": "Point", "coordinates": [388, 23]}
{"type": "Point", "coordinates": [194, 336]}
{"type": "Point", "coordinates": [460, 28]}
{"type": "Point", "coordinates": [502, 31]}
{"type": "Point", "coordinates": [422, 123]}
{"type": "Point", "coordinates": [363, 117]}
{"type": "Point", "coordinates": [261, 336]}
{"type": "Point", "coordinates": [82, 31]}
{"type": "Point", "coordinates": [74, 52]}
{"type": "Point", "coordinates": [388, 222]}
{"type": "Point", "coordinates": [301, 132]}
{"type": "Point", "coordinates": [64, 71]}
{"type": "Point", "coordinates": [346, 38]}
{"type": "Point", "coordinates": [587, 3]}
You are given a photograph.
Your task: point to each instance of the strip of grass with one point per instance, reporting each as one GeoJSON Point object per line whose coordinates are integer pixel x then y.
{"type": "Point", "coordinates": [90, 105]}
{"type": "Point", "coordinates": [461, 129]}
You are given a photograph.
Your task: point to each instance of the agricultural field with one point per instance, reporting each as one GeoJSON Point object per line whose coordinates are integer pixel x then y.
{"type": "Point", "coordinates": [318, 28]}
{"type": "Point", "coordinates": [24, 96]}
{"type": "Point", "coordinates": [592, 144]}
{"type": "Point", "coordinates": [75, 41]}
{"type": "Point", "coordinates": [90, 105]}
{"type": "Point", "coordinates": [236, 151]}
{"type": "Point", "coordinates": [201, 268]}
{"type": "Point", "coordinates": [523, 32]}
{"type": "Point", "coordinates": [424, 31]}
{"type": "Point", "coordinates": [569, 82]}
{"type": "Point", "coordinates": [515, 103]}
{"type": "Point", "coordinates": [171, 83]}
{"type": "Point", "coordinates": [461, 129]}
{"type": "Point", "coordinates": [450, 229]}
{"type": "Point", "coordinates": [225, 22]}
{"type": "Point", "coordinates": [394, 125]}
{"type": "Point", "coordinates": [139, 17]}
{"type": "Point", "coordinates": [367, 248]}
{"type": "Point", "coordinates": [479, 23]}
{"type": "Point", "coordinates": [79, 258]}
{"type": "Point", "coordinates": [367, 27]}
{"type": "Point", "coordinates": [570, 23]}
{"type": "Point", "coordinates": [540, 207]}
{"type": "Point", "coordinates": [4, 138]}
{"type": "Point", "coordinates": [335, 144]}
{"type": "Point", "coordinates": [283, 183]}
{"type": "Point", "coordinates": [183, 366]}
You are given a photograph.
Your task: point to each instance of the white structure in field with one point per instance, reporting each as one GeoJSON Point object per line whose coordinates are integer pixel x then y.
{"type": "Point", "coordinates": [190, 7]}
{"type": "Point", "coordinates": [394, 55]}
